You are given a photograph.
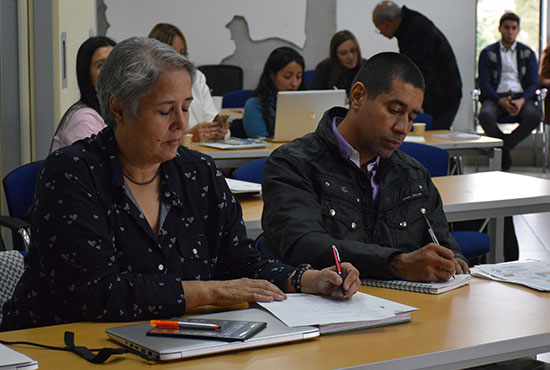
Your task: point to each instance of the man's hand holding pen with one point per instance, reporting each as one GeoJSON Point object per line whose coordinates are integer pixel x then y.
{"type": "Point", "coordinates": [432, 262]}
{"type": "Point", "coordinates": [429, 263]}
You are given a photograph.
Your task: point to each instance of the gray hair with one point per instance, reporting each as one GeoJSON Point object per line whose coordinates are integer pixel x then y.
{"type": "Point", "coordinates": [132, 69]}
{"type": "Point", "coordinates": [387, 11]}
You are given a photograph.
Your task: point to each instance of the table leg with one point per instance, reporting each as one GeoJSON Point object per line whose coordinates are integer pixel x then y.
{"type": "Point", "coordinates": [496, 231]}
{"type": "Point", "coordinates": [495, 163]}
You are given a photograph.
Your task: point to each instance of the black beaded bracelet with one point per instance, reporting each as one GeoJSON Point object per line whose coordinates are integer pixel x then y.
{"type": "Point", "coordinates": [297, 276]}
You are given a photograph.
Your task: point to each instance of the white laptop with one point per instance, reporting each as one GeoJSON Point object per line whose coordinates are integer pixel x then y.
{"type": "Point", "coordinates": [299, 112]}
{"type": "Point", "coordinates": [12, 360]}
{"type": "Point", "coordinates": [167, 348]}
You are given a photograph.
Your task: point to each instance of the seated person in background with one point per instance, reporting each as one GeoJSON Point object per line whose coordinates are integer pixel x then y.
{"type": "Point", "coordinates": [83, 118]}
{"type": "Point", "coordinates": [339, 69]}
{"type": "Point", "coordinates": [283, 71]}
{"type": "Point", "coordinates": [345, 184]}
{"type": "Point", "coordinates": [204, 122]}
{"type": "Point", "coordinates": [129, 225]}
{"type": "Point", "coordinates": [508, 79]}
{"type": "Point", "coordinates": [545, 80]}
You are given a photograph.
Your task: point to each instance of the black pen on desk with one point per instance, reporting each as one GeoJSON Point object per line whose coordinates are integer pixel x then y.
{"type": "Point", "coordinates": [170, 324]}
{"type": "Point", "coordinates": [338, 267]}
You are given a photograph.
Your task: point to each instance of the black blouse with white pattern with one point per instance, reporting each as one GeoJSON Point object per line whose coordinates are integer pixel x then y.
{"type": "Point", "coordinates": [94, 257]}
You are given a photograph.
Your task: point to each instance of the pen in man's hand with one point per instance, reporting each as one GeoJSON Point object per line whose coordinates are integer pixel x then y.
{"type": "Point", "coordinates": [430, 229]}
{"type": "Point", "coordinates": [338, 268]}
{"type": "Point", "coordinates": [170, 324]}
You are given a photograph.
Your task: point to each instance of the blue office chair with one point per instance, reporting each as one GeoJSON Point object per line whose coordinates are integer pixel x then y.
{"type": "Point", "coordinates": [19, 187]}
{"type": "Point", "coordinates": [236, 98]}
{"type": "Point", "coordinates": [473, 244]}
{"type": "Point", "coordinates": [251, 171]}
{"type": "Point", "coordinates": [424, 118]}
{"type": "Point", "coordinates": [308, 77]}
{"type": "Point", "coordinates": [435, 160]}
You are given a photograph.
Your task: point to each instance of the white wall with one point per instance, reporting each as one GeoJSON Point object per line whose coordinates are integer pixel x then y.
{"type": "Point", "coordinates": [456, 19]}
{"type": "Point", "coordinates": [203, 23]}
{"type": "Point", "coordinates": [77, 30]}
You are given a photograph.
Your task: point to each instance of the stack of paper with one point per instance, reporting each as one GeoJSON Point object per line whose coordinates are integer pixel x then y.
{"type": "Point", "coordinates": [242, 187]}
{"type": "Point", "coordinates": [360, 312]}
{"type": "Point", "coordinates": [236, 143]}
{"type": "Point", "coordinates": [533, 274]}
{"type": "Point", "coordinates": [457, 136]}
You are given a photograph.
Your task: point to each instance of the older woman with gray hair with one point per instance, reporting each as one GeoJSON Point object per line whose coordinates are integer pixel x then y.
{"type": "Point", "coordinates": [129, 225]}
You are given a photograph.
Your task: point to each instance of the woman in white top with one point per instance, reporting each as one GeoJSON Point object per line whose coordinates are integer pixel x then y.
{"type": "Point", "coordinates": [204, 121]}
{"type": "Point", "coordinates": [82, 119]}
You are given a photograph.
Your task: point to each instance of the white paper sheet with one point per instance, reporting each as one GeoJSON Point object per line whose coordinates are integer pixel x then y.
{"type": "Point", "coordinates": [307, 309]}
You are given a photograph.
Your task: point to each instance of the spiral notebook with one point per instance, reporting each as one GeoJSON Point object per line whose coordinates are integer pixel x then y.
{"type": "Point", "coordinates": [421, 287]}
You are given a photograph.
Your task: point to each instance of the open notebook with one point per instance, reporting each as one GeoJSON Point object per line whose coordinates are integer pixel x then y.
{"type": "Point", "coordinates": [420, 287]}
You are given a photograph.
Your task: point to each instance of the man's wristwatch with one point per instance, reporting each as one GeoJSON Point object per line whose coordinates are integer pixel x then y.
{"type": "Point", "coordinates": [296, 276]}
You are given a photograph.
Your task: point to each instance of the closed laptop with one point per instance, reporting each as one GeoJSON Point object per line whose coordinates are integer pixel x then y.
{"type": "Point", "coordinates": [168, 348]}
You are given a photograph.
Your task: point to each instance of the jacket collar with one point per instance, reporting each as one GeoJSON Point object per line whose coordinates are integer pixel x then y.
{"type": "Point", "coordinates": [324, 131]}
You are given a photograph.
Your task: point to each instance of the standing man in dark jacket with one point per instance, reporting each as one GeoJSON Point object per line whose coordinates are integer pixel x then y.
{"type": "Point", "coordinates": [345, 185]}
{"type": "Point", "coordinates": [420, 40]}
{"type": "Point", "coordinates": [508, 78]}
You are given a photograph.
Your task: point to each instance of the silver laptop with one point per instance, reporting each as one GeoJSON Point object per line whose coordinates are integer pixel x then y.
{"type": "Point", "coordinates": [299, 112]}
{"type": "Point", "coordinates": [12, 360]}
{"type": "Point", "coordinates": [167, 348]}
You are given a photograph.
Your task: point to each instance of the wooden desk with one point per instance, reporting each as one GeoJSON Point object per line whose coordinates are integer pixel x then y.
{"type": "Point", "coordinates": [482, 323]}
{"type": "Point", "coordinates": [468, 197]}
{"type": "Point", "coordinates": [492, 195]}
{"type": "Point", "coordinates": [484, 145]}
{"type": "Point", "coordinates": [233, 158]}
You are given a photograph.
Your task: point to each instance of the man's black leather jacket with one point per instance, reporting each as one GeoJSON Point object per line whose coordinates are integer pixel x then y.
{"type": "Point", "coordinates": [314, 198]}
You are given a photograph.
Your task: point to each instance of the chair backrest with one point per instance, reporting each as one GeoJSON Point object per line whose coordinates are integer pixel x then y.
{"type": "Point", "coordinates": [222, 78]}
{"type": "Point", "coordinates": [12, 266]}
{"type": "Point", "coordinates": [236, 98]}
{"type": "Point", "coordinates": [19, 186]}
{"type": "Point", "coordinates": [435, 160]}
{"type": "Point", "coordinates": [308, 77]}
{"type": "Point", "coordinates": [251, 171]}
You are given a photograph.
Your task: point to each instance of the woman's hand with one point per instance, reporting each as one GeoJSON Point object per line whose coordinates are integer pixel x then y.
{"type": "Point", "coordinates": [327, 281]}
{"type": "Point", "coordinates": [229, 292]}
{"type": "Point", "coordinates": [205, 131]}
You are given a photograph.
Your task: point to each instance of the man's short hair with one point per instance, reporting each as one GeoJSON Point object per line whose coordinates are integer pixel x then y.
{"type": "Point", "coordinates": [379, 72]}
{"type": "Point", "coordinates": [508, 16]}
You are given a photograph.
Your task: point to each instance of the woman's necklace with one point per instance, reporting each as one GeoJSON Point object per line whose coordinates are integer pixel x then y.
{"type": "Point", "coordinates": [141, 183]}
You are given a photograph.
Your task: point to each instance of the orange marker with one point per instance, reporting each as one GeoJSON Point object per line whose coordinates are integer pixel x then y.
{"type": "Point", "coordinates": [168, 324]}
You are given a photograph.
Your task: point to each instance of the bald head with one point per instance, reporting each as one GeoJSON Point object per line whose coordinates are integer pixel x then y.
{"type": "Point", "coordinates": [386, 17]}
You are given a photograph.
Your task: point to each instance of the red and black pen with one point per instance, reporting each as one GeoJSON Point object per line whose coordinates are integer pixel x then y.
{"type": "Point", "coordinates": [338, 268]}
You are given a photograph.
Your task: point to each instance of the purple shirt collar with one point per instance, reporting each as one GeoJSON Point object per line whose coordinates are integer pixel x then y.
{"type": "Point", "coordinates": [348, 152]}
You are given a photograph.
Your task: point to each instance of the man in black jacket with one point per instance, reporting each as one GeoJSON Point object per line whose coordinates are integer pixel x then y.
{"type": "Point", "coordinates": [345, 185]}
{"type": "Point", "coordinates": [420, 40]}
